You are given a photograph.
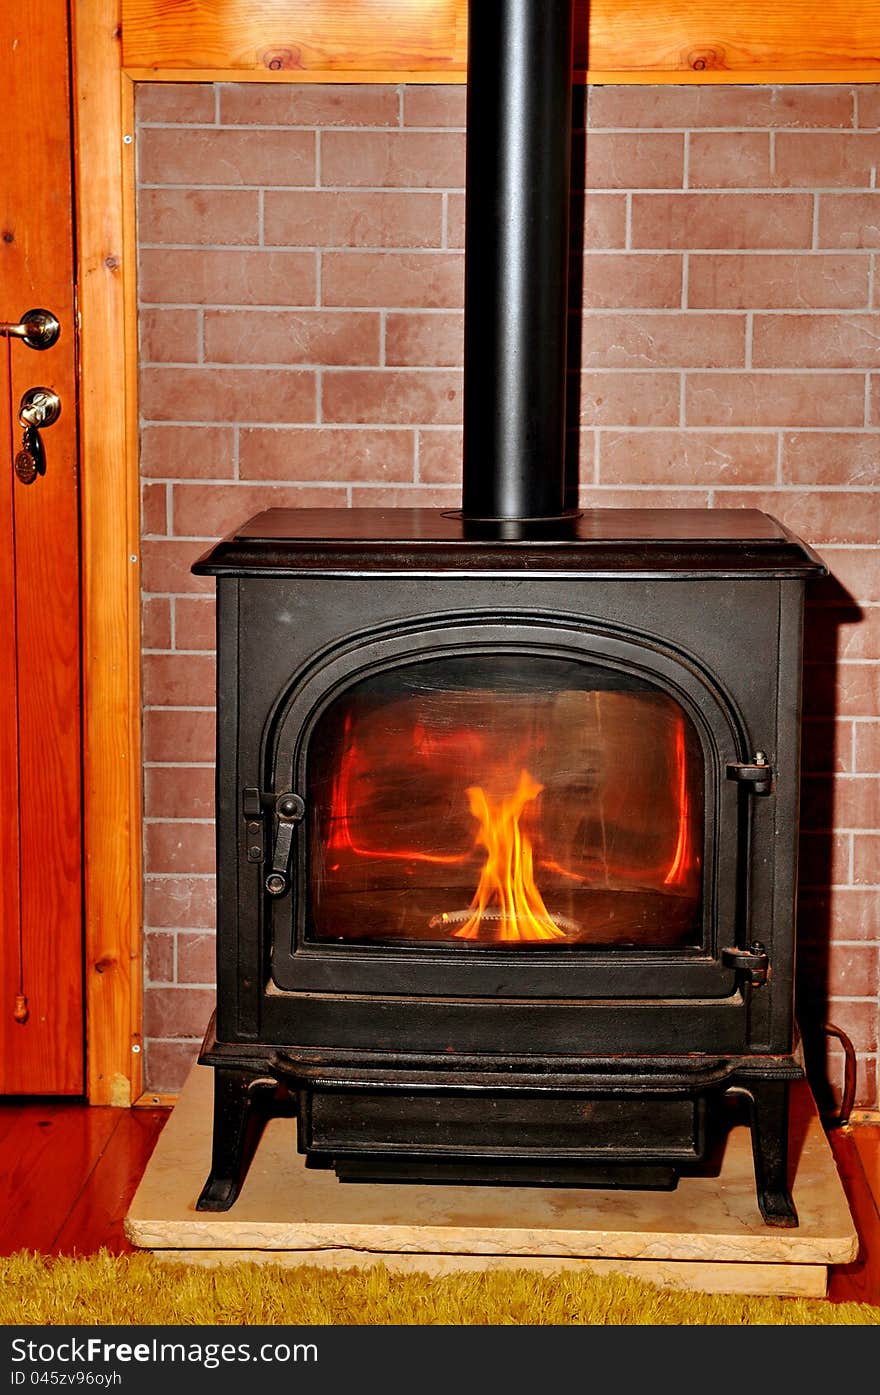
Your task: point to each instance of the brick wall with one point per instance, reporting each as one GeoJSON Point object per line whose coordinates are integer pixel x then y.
{"type": "Point", "coordinates": [301, 287]}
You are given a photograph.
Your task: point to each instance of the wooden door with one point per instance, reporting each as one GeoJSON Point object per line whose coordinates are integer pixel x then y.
{"type": "Point", "coordinates": [41, 920]}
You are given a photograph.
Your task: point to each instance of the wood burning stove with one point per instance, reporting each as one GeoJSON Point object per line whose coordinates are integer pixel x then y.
{"type": "Point", "coordinates": [507, 800]}
{"type": "Point", "coordinates": [506, 838]}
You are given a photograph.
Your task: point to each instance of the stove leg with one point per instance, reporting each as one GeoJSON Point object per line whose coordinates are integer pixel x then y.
{"type": "Point", "coordinates": [238, 1123]}
{"type": "Point", "coordinates": [768, 1111]}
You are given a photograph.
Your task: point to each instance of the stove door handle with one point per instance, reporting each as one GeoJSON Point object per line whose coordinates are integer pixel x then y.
{"type": "Point", "coordinates": [289, 811]}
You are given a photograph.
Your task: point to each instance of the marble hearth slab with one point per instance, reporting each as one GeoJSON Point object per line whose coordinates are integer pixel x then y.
{"type": "Point", "coordinates": [706, 1234]}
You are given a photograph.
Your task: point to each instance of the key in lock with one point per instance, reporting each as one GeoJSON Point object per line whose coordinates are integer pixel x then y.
{"type": "Point", "coordinates": [39, 407]}
{"type": "Point", "coordinates": [30, 460]}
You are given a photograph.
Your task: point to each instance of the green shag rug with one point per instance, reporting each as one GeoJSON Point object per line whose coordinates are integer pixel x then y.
{"type": "Point", "coordinates": [106, 1290]}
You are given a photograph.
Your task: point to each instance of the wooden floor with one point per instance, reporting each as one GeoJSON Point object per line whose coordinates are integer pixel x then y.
{"type": "Point", "coordinates": [67, 1175]}
{"type": "Point", "coordinates": [857, 1152]}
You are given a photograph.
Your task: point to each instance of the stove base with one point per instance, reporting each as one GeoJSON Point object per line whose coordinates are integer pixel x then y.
{"type": "Point", "coordinates": [640, 1120]}
{"type": "Point", "coordinates": [707, 1235]}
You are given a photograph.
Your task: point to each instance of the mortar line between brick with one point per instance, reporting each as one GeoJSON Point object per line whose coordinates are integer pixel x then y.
{"type": "Point", "coordinates": [823, 887]}
{"type": "Point", "coordinates": [393, 427]}
{"type": "Point", "coordinates": [254, 127]}
{"type": "Point", "coordinates": [176, 876]}
{"type": "Point", "coordinates": [178, 765]}
{"type": "Point", "coordinates": [300, 249]}
{"type": "Point", "coordinates": [779, 449]}
{"type": "Point", "coordinates": [178, 653]}
{"type": "Point", "coordinates": [149, 186]}
{"type": "Point", "coordinates": [815, 234]}
{"type": "Point", "coordinates": [852, 858]}
{"type": "Point", "coordinates": [175, 707]}
{"type": "Point", "coordinates": [702, 191]}
{"type": "Point", "coordinates": [710, 312]}
{"type": "Point", "coordinates": [411, 370]}
{"type": "Point", "coordinates": [157, 1037]}
{"type": "Point", "coordinates": [622, 426]}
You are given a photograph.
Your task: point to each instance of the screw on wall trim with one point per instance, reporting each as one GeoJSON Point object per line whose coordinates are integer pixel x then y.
{"type": "Point", "coordinates": [135, 1049]}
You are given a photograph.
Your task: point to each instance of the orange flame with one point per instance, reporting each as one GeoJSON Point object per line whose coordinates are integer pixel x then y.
{"type": "Point", "coordinates": [508, 874]}
{"type": "Point", "coordinates": [681, 858]}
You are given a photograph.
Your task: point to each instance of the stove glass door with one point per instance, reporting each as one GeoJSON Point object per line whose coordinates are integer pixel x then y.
{"type": "Point", "coordinates": [511, 801]}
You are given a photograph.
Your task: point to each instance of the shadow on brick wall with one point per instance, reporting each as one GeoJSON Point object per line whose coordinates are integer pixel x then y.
{"type": "Point", "coordinates": [824, 867]}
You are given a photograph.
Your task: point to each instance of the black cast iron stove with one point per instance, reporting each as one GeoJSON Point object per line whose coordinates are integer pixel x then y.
{"type": "Point", "coordinates": [507, 800]}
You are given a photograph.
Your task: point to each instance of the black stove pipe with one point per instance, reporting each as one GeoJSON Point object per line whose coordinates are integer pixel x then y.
{"type": "Point", "coordinates": [516, 258]}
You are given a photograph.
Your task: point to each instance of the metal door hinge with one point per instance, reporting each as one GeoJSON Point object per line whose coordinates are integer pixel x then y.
{"type": "Point", "coordinates": [756, 774]}
{"type": "Point", "coordinates": [753, 963]}
{"type": "Point", "coordinates": [252, 804]}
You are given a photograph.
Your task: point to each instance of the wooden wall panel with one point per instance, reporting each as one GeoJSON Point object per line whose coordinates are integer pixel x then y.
{"type": "Point", "coordinates": [625, 39]}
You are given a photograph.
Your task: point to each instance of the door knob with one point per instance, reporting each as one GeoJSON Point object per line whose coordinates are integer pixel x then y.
{"type": "Point", "coordinates": [39, 329]}
{"type": "Point", "coordinates": [39, 407]}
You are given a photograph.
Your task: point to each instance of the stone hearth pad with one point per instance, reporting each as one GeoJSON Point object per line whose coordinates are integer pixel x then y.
{"type": "Point", "coordinates": [707, 1234]}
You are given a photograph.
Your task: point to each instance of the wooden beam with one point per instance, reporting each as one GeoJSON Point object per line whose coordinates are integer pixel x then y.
{"type": "Point", "coordinates": [426, 40]}
{"type": "Point", "coordinates": [759, 38]}
{"type": "Point", "coordinates": [109, 508]}
{"type": "Point", "coordinates": [330, 36]}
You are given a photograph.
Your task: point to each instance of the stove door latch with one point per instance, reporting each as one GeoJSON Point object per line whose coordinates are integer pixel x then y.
{"type": "Point", "coordinates": [288, 809]}
{"type": "Point", "coordinates": [753, 963]}
{"type": "Point", "coordinates": [757, 775]}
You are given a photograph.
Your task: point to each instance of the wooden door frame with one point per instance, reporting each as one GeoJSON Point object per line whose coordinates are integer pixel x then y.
{"type": "Point", "coordinates": [103, 101]}
{"type": "Point", "coordinates": [109, 509]}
